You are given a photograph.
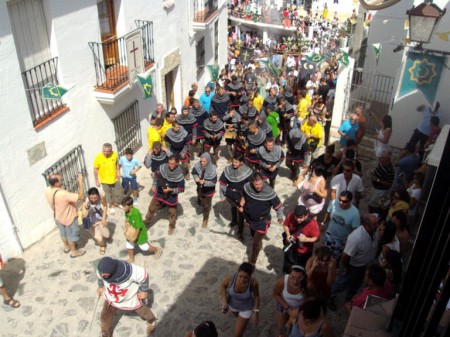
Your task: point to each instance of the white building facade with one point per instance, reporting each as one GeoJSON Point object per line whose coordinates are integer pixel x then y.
{"type": "Point", "coordinates": [83, 44]}
{"type": "Point", "coordinates": [387, 27]}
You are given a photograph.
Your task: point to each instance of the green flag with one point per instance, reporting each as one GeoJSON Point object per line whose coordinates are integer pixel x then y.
{"type": "Point", "coordinates": [146, 83]}
{"type": "Point", "coordinates": [344, 58]}
{"type": "Point", "coordinates": [214, 71]}
{"type": "Point", "coordinates": [274, 70]}
{"type": "Point", "coordinates": [377, 50]}
{"type": "Point", "coordinates": [315, 58]}
{"type": "Point", "coordinates": [53, 91]}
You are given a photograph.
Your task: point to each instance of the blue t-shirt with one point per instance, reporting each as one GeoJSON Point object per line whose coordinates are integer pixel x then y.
{"type": "Point", "coordinates": [342, 221]}
{"type": "Point", "coordinates": [128, 166]}
{"type": "Point", "coordinates": [406, 165]}
{"type": "Point", "coordinates": [205, 101]}
{"type": "Point", "coordinates": [350, 130]}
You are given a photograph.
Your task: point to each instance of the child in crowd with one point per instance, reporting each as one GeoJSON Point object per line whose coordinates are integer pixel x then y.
{"type": "Point", "coordinates": [136, 231]}
{"type": "Point", "coordinates": [129, 166]}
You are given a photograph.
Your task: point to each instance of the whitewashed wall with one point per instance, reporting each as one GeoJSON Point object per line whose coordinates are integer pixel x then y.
{"type": "Point", "coordinates": [71, 25]}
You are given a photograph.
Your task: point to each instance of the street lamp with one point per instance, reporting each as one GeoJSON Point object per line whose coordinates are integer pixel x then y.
{"type": "Point", "coordinates": [423, 21]}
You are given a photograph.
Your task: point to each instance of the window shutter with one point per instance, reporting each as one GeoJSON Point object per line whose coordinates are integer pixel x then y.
{"type": "Point", "coordinates": [30, 32]}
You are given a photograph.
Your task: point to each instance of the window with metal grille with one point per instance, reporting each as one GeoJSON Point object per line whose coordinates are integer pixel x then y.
{"type": "Point", "coordinates": [128, 129]}
{"type": "Point", "coordinates": [31, 38]}
{"type": "Point", "coordinates": [200, 52]}
{"type": "Point", "coordinates": [69, 167]}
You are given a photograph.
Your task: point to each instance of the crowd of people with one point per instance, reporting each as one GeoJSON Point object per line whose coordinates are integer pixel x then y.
{"type": "Point", "coordinates": [257, 121]}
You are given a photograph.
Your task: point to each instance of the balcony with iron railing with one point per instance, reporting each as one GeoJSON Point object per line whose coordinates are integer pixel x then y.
{"type": "Point", "coordinates": [204, 12]}
{"type": "Point", "coordinates": [111, 61]}
{"type": "Point", "coordinates": [42, 110]}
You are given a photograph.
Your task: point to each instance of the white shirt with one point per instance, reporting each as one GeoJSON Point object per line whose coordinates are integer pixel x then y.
{"type": "Point", "coordinates": [339, 184]}
{"type": "Point", "coordinates": [361, 247]}
{"type": "Point", "coordinates": [124, 295]}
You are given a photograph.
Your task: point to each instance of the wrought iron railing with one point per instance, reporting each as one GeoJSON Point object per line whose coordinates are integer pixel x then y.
{"type": "Point", "coordinates": [69, 167]}
{"type": "Point", "coordinates": [128, 129]}
{"type": "Point", "coordinates": [35, 79]}
{"type": "Point", "coordinates": [110, 58]}
{"type": "Point", "coordinates": [204, 9]}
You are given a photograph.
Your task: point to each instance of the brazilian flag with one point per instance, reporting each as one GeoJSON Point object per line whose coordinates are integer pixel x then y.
{"type": "Point", "coordinates": [146, 83]}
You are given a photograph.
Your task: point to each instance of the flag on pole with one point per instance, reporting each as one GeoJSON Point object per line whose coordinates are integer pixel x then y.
{"type": "Point", "coordinates": [53, 91]}
{"type": "Point", "coordinates": [315, 58]}
{"type": "Point", "coordinates": [214, 71]}
{"type": "Point", "coordinates": [146, 84]}
{"type": "Point", "coordinates": [307, 68]}
{"type": "Point", "coordinates": [274, 70]}
{"type": "Point", "coordinates": [377, 50]}
{"type": "Point", "coordinates": [344, 58]}
{"type": "Point", "coordinates": [421, 72]}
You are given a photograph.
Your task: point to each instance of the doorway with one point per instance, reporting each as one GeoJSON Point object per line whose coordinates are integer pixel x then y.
{"type": "Point", "coordinates": [107, 22]}
{"type": "Point", "coordinates": [170, 79]}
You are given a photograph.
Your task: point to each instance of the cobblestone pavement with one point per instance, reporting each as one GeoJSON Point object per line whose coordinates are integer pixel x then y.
{"type": "Point", "coordinates": [58, 294]}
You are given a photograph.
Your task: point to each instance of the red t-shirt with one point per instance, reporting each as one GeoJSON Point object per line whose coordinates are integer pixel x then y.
{"type": "Point", "coordinates": [311, 230]}
{"type": "Point", "coordinates": [385, 292]}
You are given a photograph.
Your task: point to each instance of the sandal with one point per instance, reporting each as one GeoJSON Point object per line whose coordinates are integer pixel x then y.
{"type": "Point", "coordinates": [102, 250]}
{"type": "Point", "coordinates": [171, 230]}
{"type": "Point", "coordinates": [66, 250]}
{"type": "Point", "coordinates": [80, 252]}
{"type": "Point", "coordinates": [151, 327]}
{"type": "Point", "coordinates": [12, 303]}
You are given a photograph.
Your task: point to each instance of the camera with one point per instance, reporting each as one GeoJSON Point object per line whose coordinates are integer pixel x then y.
{"type": "Point", "coordinates": [292, 242]}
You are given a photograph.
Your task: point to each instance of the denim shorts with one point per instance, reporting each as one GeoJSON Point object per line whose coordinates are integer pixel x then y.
{"type": "Point", "coordinates": [126, 182]}
{"type": "Point", "coordinates": [71, 232]}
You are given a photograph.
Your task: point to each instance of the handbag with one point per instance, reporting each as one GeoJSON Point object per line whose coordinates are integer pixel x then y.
{"type": "Point", "coordinates": [130, 232]}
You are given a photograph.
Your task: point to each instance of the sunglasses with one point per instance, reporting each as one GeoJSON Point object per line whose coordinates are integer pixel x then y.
{"type": "Point", "coordinates": [343, 201]}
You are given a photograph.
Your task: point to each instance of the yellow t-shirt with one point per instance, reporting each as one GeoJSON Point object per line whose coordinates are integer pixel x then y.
{"type": "Point", "coordinates": [316, 131]}
{"type": "Point", "coordinates": [107, 167]}
{"type": "Point", "coordinates": [162, 132]}
{"type": "Point", "coordinates": [153, 136]}
{"type": "Point", "coordinates": [302, 109]}
{"type": "Point", "coordinates": [258, 102]}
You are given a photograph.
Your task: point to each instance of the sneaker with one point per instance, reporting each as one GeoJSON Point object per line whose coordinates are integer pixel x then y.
{"type": "Point", "coordinates": [112, 211]}
{"type": "Point", "coordinates": [135, 202]}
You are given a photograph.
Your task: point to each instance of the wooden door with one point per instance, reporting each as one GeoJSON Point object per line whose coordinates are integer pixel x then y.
{"type": "Point", "coordinates": [170, 84]}
{"type": "Point", "coordinates": [107, 21]}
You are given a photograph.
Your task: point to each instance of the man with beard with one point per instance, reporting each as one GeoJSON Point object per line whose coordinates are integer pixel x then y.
{"type": "Point", "coordinates": [168, 184]}
{"type": "Point", "coordinates": [249, 110]}
{"type": "Point", "coordinates": [200, 114]}
{"type": "Point", "coordinates": [286, 111]}
{"type": "Point", "coordinates": [271, 156]}
{"type": "Point", "coordinates": [177, 140]}
{"type": "Point", "coordinates": [301, 230]}
{"type": "Point", "coordinates": [257, 200]}
{"type": "Point", "coordinates": [124, 286]}
{"type": "Point", "coordinates": [220, 102]}
{"type": "Point", "coordinates": [232, 182]}
{"type": "Point", "coordinates": [255, 139]}
{"type": "Point", "coordinates": [213, 130]}
{"type": "Point", "coordinates": [234, 90]}
{"type": "Point", "coordinates": [297, 153]}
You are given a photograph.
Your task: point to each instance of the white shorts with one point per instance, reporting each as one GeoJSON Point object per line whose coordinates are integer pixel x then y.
{"type": "Point", "coordinates": [143, 247]}
{"type": "Point", "coordinates": [244, 314]}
